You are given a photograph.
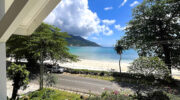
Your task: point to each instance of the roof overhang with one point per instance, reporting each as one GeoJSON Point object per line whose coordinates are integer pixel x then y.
{"type": "Point", "coordinates": [23, 16]}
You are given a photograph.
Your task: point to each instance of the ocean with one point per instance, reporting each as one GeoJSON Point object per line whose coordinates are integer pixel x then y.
{"type": "Point", "coordinates": [103, 53]}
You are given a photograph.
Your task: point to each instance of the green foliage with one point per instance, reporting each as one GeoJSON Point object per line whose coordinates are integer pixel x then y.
{"type": "Point", "coordinates": [20, 77]}
{"type": "Point", "coordinates": [50, 80]}
{"type": "Point", "coordinates": [132, 78]}
{"type": "Point", "coordinates": [155, 95]}
{"type": "Point", "coordinates": [108, 78]}
{"type": "Point", "coordinates": [111, 96]}
{"type": "Point", "coordinates": [51, 94]}
{"type": "Point", "coordinates": [46, 43]}
{"type": "Point", "coordinates": [154, 30]}
{"type": "Point", "coordinates": [85, 71]}
{"type": "Point", "coordinates": [79, 41]}
{"type": "Point", "coordinates": [25, 98]}
{"type": "Point", "coordinates": [158, 95]}
{"type": "Point", "coordinates": [118, 48]}
{"type": "Point", "coordinates": [149, 66]}
{"type": "Point", "coordinates": [18, 72]}
{"type": "Point", "coordinates": [173, 97]}
{"type": "Point", "coordinates": [46, 39]}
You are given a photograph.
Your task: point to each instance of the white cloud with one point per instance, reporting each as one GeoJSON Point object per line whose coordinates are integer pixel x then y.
{"type": "Point", "coordinates": [123, 3]}
{"type": "Point", "coordinates": [106, 30]}
{"type": "Point", "coordinates": [75, 17]}
{"type": "Point", "coordinates": [85, 37]}
{"type": "Point", "coordinates": [94, 38]}
{"type": "Point", "coordinates": [108, 8]}
{"type": "Point", "coordinates": [134, 3]}
{"type": "Point", "coordinates": [119, 27]}
{"type": "Point", "coordinates": [108, 22]}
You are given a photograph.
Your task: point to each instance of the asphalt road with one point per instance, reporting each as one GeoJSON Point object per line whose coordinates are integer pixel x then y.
{"type": "Point", "coordinates": [82, 84]}
{"type": "Point", "coordinates": [88, 85]}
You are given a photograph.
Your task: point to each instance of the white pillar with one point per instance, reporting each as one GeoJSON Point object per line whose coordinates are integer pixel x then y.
{"type": "Point", "coordinates": [3, 91]}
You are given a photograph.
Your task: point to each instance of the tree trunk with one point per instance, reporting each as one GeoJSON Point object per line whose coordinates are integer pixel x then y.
{"type": "Point", "coordinates": [120, 64]}
{"type": "Point", "coordinates": [167, 52]}
{"type": "Point", "coordinates": [16, 87]}
{"type": "Point", "coordinates": [167, 57]}
{"type": "Point", "coordinates": [14, 94]}
{"type": "Point", "coordinates": [41, 72]}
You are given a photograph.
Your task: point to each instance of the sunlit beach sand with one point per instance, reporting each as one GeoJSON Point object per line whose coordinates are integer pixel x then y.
{"type": "Point", "coordinates": [104, 66]}
{"type": "Point", "coordinates": [100, 65]}
{"type": "Point", "coordinates": [97, 65]}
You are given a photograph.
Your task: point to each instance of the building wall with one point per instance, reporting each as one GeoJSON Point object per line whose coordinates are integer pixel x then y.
{"type": "Point", "coordinates": [3, 90]}
{"type": "Point", "coordinates": [4, 6]}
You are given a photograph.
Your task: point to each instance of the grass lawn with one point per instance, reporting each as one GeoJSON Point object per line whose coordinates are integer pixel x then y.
{"type": "Point", "coordinates": [52, 94]}
{"type": "Point", "coordinates": [108, 78]}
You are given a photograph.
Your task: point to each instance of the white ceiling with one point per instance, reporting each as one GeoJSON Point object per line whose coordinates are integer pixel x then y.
{"type": "Point", "coordinates": [23, 16]}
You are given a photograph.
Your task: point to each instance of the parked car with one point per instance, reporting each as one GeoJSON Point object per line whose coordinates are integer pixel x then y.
{"type": "Point", "coordinates": [57, 69]}
{"type": "Point", "coordinates": [48, 67]}
{"type": "Point", "coordinates": [54, 68]}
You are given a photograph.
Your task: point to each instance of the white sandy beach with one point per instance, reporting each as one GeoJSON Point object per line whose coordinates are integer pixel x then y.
{"type": "Point", "coordinates": [105, 66]}
{"type": "Point", "coordinates": [97, 65]}
{"type": "Point", "coordinates": [102, 65]}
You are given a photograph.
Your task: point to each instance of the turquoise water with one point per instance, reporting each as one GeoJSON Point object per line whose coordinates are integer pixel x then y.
{"type": "Point", "coordinates": [102, 53]}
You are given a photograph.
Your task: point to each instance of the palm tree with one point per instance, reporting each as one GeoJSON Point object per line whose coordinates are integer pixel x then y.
{"type": "Point", "coordinates": [119, 50]}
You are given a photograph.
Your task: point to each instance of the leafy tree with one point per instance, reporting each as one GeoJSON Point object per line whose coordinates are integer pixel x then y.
{"type": "Point", "coordinates": [46, 43]}
{"type": "Point", "coordinates": [155, 31]}
{"type": "Point", "coordinates": [20, 77]}
{"type": "Point", "coordinates": [150, 66]}
{"type": "Point", "coordinates": [119, 49]}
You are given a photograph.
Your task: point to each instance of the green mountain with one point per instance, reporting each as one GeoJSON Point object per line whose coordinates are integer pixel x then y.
{"type": "Point", "coordinates": [79, 41]}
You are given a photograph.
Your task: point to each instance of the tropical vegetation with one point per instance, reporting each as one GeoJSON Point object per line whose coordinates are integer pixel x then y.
{"type": "Point", "coordinates": [51, 94]}
{"type": "Point", "coordinates": [20, 77]}
{"type": "Point", "coordinates": [79, 41]}
{"type": "Point", "coordinates": [119, 50]}
{"type": "Point", "coordinates": [46, 43]}
{"type": "Point", "coordinates": [149, 66]}
{"type": "Point", "coordinates": [154, 31]}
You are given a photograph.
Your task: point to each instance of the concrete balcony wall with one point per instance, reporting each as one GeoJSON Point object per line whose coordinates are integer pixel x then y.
{"type": "Point", "coordinates": [3, 71]}
{"type": "Point", "coordinates": [20, 17]}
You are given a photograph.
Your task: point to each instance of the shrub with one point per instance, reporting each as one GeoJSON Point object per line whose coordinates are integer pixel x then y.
{"type": "Point", "coordinates": [25, 98]}
{"type": "Point", "coordinates": [150, 66]}
{"type": "Point", "coordinates": [50, 80]}
{"type": "Point", "coordinates": [132, 78]}
{"type": "Point", "coordinates": [53, 94]}
{"type": "Point", "coordinates": [20, 77]}
{"type": "Point", "coordinates": [115, 95]}
{"type": "Point", "coordinates": [155, 95]}
{"type": "Point", "coordinates": [158, 95]}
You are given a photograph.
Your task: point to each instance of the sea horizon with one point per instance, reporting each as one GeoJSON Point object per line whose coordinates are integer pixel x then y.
{"type": "Point", "coordinates": [102, 53]}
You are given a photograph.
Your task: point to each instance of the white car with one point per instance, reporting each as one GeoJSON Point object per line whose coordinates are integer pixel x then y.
{"type": "Point", "coordinates": [57, 69]}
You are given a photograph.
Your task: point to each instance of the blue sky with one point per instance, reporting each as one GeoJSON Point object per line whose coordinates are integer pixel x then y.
{"type": "Point", "coordinates": [101, 21]}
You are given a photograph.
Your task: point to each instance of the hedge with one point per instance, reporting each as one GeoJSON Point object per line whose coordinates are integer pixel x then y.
{"type": "Point", "coordinates": [126, 77]}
